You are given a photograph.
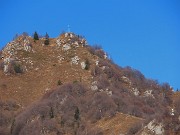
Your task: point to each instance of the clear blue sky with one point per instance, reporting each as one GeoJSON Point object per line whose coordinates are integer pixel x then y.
{"type": "Point", "coordinates": [143, 34]}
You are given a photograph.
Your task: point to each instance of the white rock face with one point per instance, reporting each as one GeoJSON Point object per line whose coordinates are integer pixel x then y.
{"type": "Point", "coordinates": [58, 42]}
{"type": "Point", "coordinates": [76, 43]}
{"type": "Point", "coordinates": [26, 44]}
{"type": "Point", "coordinates": [125, 79]}
{"type": "Point", "coordinates": [60, 58]}
{"type": "Point", "coordinates": [172, 112]}
{"type": "Point", "coordinates": [135, 91]}
{"type": "Point", "coordinates": [63, 100]}
{"type": "Point", "coordinates": [105, 56]}
{"type": "Point", "coordinates": [6, 64]}
{"type": "Point", "coordinates": [71, 35]}
{"type": "Point", "coordinates": [97, 63]}
{"type": "Point", "coordinates": [84, 42]}
{"type": "Point", "coordinates": [103, 67]}
{"type": "Point", "coordinates": [7, 60]}
{"type": "Point", "coordinates": [94, 86]}
{"type": "Point", "coordinates": [10, 50]}
{"type": "Point", "coordinates": [131, 87]}
{"type": "Point", "coordinates": [155, 128]}
{"type": "Point", "coordinates": [46, 90]}
{"type": "Point", "coordinates": [27, 47]}
{"type": "Point", "coordinates": [66, 47]}
{"type": "Point", "coordinates": [66, 34]}
{"type": "Point", "coordinates": [32, 119]}
{"type": "Point", "coordinates": [148, 93]}
{"type": "Point", "coordinates": [75, 60]}
{"type": "Point", "coordinates": [101, 90]}
{"type": "Point", "coordinates": [5, 68]}
{"type": "Point", "coordinates": [109, 93]}
{"type": "Point", "coordinates": [83, 65]}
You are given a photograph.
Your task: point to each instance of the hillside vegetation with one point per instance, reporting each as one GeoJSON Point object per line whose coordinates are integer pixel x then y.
{"type": "Point", "coordinates": [63, 86]}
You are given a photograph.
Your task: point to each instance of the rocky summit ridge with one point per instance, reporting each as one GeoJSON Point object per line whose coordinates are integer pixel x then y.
{"type": "Point", "coordinates": [65, 60]}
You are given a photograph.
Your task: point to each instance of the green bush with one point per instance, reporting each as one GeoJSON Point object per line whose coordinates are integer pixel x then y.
{"type": "Point", "coordinates": [75, 81]}
{"type": "Point", "coordinates": [17, 68]}
{"type": "Point", "coordinates": [59, 82]}
{"type": "Point", "coordinates": [87, 64]}
{"type": "Point", "coordinates": [46, 42]}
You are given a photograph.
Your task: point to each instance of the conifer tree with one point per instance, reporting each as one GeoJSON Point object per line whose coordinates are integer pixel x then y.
{"type": "Point", "coordinates": [47, 36]}
{"type": "Point", "coordinates": [77, 114]}
{"type": "Point", "coordinates": [51, 113]}
{"type": "Point", "coordinates": [46, 42]}
{"type": "Point", "coordinates": [15, 37]}
{"type": "Point", "coordinates": [87, 64]}
{"type": "Point", "coordinates": [36, 37]}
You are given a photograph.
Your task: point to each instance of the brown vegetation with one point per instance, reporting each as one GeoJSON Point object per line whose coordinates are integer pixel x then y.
{"type": "Point", "coordinates": [60, 98]}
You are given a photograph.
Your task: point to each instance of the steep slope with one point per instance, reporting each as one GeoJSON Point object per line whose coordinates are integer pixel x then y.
{"type": "Point", "coordinates": [73, 109]}
{"type": "Point", "coordinates": [68, 87]}
{"type": "Point", "coordinates": [43, 66]}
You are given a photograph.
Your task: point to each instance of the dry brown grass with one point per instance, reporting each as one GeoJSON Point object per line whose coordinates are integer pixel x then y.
{"type": "Point", "coordinates": [119, 124]}
{"type": "Point", "coordinates": [44, 75]}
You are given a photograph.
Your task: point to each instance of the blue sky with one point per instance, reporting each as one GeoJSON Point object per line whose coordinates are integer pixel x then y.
{"type": "Point", "coordinates": [143, 34]}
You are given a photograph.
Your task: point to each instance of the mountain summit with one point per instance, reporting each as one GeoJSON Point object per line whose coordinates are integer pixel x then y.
{"type": "Point", "coordinates": [63, 86]}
